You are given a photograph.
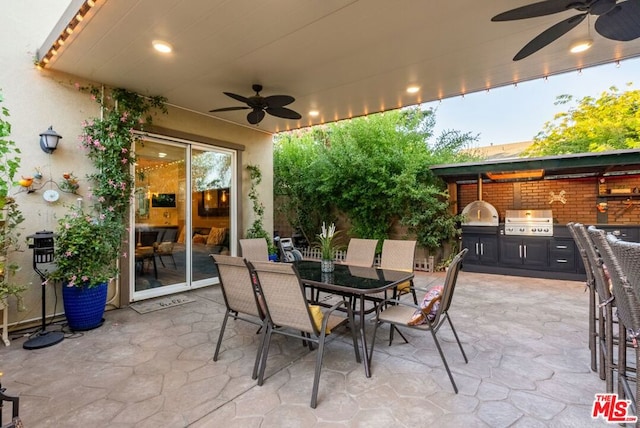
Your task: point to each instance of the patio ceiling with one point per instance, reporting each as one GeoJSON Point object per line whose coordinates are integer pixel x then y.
{"type": "Point", "coordinates": [343, 58]}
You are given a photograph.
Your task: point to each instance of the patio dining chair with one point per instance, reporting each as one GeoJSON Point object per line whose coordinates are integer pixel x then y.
{"type": "Point", "coordinates": [397, 255]}
{"type": "Point", "coordinates": [289, 314]}
{"type": "Point", "coordinates": [240, 299]}
{"type": "Point", "coordinates": [628, 311]}
{"type": "Point", "coordinates": [591, 287]}
{"type": "Point", "coordinates": [164, 248]}
{"type": "Point", "coordinates": [254, 249]}
{"type": "Point", "coordinates": [604, 307]}
{"type": "Point", "coordinates": [399, 313]}
{"type": "Point", "coordinates": [144, 251]}
{"type": "Point", "coordinates": [361, 252]}
{"type": "Point", "coordinates": [628, 254]}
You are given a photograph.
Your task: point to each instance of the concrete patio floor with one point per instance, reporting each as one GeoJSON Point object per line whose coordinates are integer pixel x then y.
{"type": "Point", "coordinates": [526, 340]}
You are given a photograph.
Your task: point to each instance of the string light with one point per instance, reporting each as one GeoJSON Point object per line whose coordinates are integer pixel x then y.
{"type": "Point", "coordinates": [67, 32]}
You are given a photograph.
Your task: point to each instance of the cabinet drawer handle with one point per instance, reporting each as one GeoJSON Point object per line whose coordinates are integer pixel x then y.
{"type": "Point", "coordinates": [561, 247]}
{"type": "Point", "coordinates": [481, 249]}
{"type": "Point", "coordinates": [477, 251]}
{"type": "Point", "coordinates": [520, 251]}
{"type": "Point", "coordinates": [562, 261]}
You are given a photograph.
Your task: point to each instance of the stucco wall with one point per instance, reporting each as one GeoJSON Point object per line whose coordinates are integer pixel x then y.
{"type": "Point", "coordinates": [37, 99]}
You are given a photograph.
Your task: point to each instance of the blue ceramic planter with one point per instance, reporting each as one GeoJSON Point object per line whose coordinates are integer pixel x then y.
{"type": "Point", "coordinates": [84, 306]}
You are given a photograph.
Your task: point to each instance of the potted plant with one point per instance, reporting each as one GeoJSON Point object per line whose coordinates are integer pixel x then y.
{"type": "Point", "coordinates": [87, 247]}
{"type": "Point", "coordinates": [328, 247]}
{"type": "Point", "coordinates": [89, 241]}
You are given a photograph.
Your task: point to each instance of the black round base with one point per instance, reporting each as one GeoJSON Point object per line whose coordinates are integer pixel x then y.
{"type": "Point", "coordinates": [42, 339]}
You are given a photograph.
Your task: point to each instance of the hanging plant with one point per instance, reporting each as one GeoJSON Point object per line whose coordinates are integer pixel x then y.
{"type": "Point", "coordinates": [109, 141]}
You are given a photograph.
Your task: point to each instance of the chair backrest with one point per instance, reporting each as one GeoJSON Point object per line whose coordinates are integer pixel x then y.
{"type": "Point", "coordinates": [254, 249]}
{"type": "Point", "coordinates": [147, 238]}
{"type": "Point", "coordinates": [583, 253]}
{"type": "Point", "coordinates": [449, 286]}
{"type": "Point", "coordinates": [170, 235]}
{"type": "Point", "coordinates": [361, 252]}
{"type": "Point", "coordinates": [627, 306]}
{"type": "Point", "coordinates": [398, 255]}
{"type": "Point", "coordinates": [596, 262]}
{"type": "Point", "coordinates": [628, 254]}
{"type": "Point", "coordinates": [237, 287]}
{"type": "Point", "coordinates": [284, 297]}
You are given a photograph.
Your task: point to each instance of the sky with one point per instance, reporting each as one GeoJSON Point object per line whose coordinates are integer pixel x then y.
{"type": "Point", "coordinates": [513, 114]}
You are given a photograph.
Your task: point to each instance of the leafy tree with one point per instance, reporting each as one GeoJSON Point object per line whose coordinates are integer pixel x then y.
{"type": "Point", "coordinates": [374, 170]}
{"type": "Point", "coordinates": [609, 122]}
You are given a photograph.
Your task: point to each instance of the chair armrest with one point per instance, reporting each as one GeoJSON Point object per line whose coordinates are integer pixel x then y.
{"type": "Point", "coordinates": [336, 306]}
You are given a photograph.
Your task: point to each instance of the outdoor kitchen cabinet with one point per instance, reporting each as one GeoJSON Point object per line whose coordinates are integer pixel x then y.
{"type": "Point", "coordinates": [482, 242]}
{"type": "Point", "coordinates": [563, 255]}
{"type": "Point", "coordinates": [532, 253]}
{"type": "Point", "coordinates": [483, 249]}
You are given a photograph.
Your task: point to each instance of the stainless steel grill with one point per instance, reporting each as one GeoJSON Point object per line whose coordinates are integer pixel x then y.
{"type": "Point", "coordinates": [528, 222]}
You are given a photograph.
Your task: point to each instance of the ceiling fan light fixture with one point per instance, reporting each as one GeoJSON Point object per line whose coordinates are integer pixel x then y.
{"type": "Point", "coordinates": [580, 45]}
{"type": "Point", "coordinates": [314, 113]}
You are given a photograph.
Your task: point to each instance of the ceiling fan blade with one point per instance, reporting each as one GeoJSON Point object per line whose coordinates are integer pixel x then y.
{"type": "Point", "coordinates": [533, 10]}
{"type": "Point", "coordinates": [549, 35]}
{"type": "Point", "coordinates": [229, 109]}
{"type": "Point", "coordinates": [255, 116]}
{"type": "Point", "coordinates": [237, 97]}
{"type": "Point", "coordinates": [620, 23]}
{"type": "Point", "coordinates": [283, 112]}
{"type": "Point", "coordinates": [279, 100]}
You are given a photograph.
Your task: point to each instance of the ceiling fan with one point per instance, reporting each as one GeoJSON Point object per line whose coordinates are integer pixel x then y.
{"type": "Point", "coordinates": [259, 105]}
{"type": "Point", "coordinates": [617, 20]}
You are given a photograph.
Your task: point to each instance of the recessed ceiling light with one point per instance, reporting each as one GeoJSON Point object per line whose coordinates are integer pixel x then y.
{"type": "Point", "coordinates": [162, 46]}
{"type": "Point", "coordinates": [314, 113]}
{"type": "Point", "coordinates": [161, 154]}
{"type": "Point", "coordinates": [581, 45]}
{"type": "Point", "coordinates": [413, 89]}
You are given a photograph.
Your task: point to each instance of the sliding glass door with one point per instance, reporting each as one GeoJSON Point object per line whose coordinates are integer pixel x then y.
{"type": "Point", "coordinates": [183, 204]}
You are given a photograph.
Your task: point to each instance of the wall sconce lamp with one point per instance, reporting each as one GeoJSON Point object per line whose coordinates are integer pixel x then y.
{"type": "Point", "coordinates": [49, 140]}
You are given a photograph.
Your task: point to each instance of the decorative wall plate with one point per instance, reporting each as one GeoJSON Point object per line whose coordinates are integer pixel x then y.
{"type": "Point", "coordinates": [50, 195]}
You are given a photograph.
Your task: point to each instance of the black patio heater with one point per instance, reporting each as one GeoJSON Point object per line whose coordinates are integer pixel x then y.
{"type": "Point", "coordinates": [42, 246]}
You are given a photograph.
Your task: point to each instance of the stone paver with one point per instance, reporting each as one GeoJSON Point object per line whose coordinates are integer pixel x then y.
{"type": "Point", "coordinates": [526, 339]}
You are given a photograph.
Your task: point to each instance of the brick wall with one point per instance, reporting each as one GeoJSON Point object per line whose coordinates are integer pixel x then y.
{"type": "Point", "coordinates": [581, 197]}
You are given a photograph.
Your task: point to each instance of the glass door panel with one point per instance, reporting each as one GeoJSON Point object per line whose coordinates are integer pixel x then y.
{"type": "Point", "coordinates": [211, 205]}
{"type": "Point", "coordinates": [160, 208]}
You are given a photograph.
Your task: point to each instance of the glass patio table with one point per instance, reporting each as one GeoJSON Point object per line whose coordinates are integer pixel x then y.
{"type": "Point", "coordinates": [352, 281]}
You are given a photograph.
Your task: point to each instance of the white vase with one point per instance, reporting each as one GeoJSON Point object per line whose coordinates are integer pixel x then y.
{"type": "Point", "coordinates": [327, 265]}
